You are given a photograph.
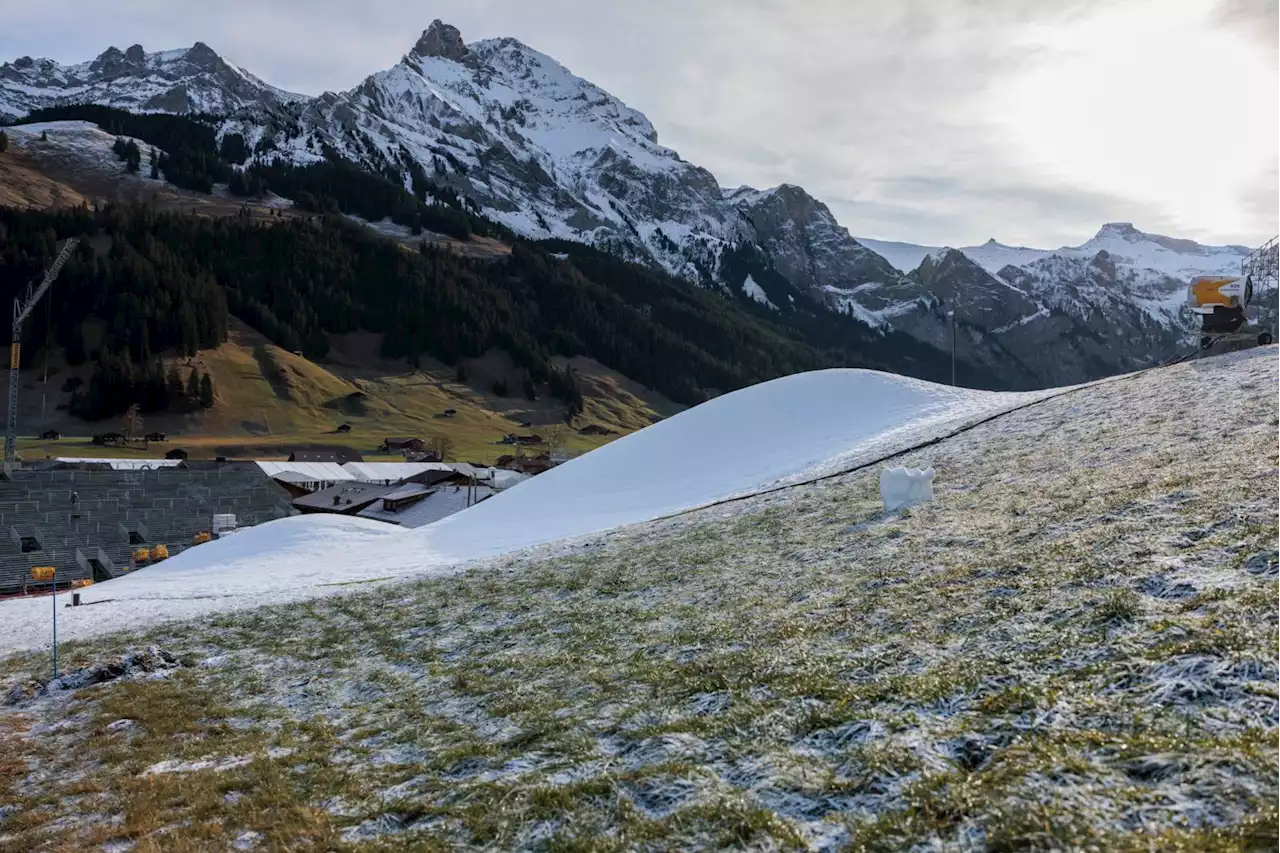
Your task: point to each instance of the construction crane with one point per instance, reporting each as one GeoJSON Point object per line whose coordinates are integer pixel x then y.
{"type": "Point", "coordinates": [21, 310]}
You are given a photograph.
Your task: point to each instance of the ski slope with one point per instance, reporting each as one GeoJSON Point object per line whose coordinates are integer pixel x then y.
{"type": "Point", "coordinates": [779, 431]}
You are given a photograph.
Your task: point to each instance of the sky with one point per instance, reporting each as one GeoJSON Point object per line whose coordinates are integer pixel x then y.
{"type": "Point", "coordinates": [943, 122]}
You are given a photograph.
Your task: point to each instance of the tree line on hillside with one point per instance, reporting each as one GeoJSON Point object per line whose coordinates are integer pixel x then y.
{"type": "Point", "coordinates": [142, 300]}
{"type": "Point", "coordinates": [118, 382]}
{"type": "Point", "coordinates": [169, 282]}
{"type": "Point", "coordinates": [192, 157]}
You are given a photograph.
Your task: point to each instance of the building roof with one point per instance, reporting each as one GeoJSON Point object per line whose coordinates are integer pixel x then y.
{"type": "Point", "coordinates": [316, 472]}
{"type": "Point", "coordinates": [504, 479]}
{"type": "Point", "coordinates": [122, 464]}
{"type": "Point", "coordinates": [360, 495]}
{"type": "Point", "coordinates": [334, 453]}
{"type": "Point", "coordinates": [313, 456]}
{"type": "Point", "coordinates": [466, 469]}
{"type": "Point", "coordinates": [292, 477]}
{"type": "Point", "coordinates": [443, 501]}
{"type": "Point", "coordinates": [374, 472]}
{"type": "Point", "coordinates": [407, 490]}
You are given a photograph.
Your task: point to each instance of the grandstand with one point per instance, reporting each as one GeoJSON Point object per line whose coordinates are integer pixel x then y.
{"type": "Point", "coordinates": [119, 510]}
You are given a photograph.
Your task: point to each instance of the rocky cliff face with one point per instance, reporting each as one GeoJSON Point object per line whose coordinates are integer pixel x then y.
{"type": "Point", "coordinates": [806, 242]}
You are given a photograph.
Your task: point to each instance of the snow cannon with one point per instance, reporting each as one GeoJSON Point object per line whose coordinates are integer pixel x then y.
{"type": "Point", "coordinates": [158, 553]}
{"type": "Point", "coordinates": [141, 557]}
{"type": "Point", "coordinates": [1220, 301]}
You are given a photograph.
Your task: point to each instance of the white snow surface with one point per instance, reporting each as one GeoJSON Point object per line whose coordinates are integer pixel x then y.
{"type": "Point", "coordinates": [773, 433]}
{"type": "Point", "coordinates": [756, 292]}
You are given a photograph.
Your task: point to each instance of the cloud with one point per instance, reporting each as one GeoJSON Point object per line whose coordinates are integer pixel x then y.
{"type": "Point", "coordinates": [905, 117]}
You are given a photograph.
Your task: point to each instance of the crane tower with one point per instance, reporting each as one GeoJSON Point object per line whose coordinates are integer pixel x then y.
{"type": "Point", "coordinates": [21, 310]}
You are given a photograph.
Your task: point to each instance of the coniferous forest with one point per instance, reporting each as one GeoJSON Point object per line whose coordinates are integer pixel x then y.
{"type": "Point", "coordinates": [161, 282]}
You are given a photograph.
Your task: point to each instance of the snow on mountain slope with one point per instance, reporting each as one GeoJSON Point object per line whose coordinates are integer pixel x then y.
{"type": "Point", "coordinates": [194, 79]}
{"type": "Point", "coordinates": [1114, 303]}
{"type": "Point", "coordinates": [831, 419]}
{"type": "Point", "coordinates": [537, 148]}
{"type": "Point", "coordinates": [756, 292]}
{"type": "Point", "coordinates": [1182, 259]}
{"type": "Point", "coordinates": [1173, 257]}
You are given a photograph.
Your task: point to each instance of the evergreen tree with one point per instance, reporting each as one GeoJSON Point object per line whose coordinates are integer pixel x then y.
{"type": "Point", "coordinates": [44, 136]}
{"type": "Point", "coordinates": [4, 142]}
{"type": "Point", "coordinates": [155, 165]}
{"type": "Point", "coordinates": [193, 385]}
{"type": "Point", "coordinates": [233, 149]}
{"type": "Point", "coordinates": [206, 392]}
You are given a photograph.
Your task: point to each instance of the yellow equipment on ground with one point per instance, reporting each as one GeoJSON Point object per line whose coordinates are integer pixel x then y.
{"type": "Point", "coordinates": [80, 583]}
{"type": "Point", "coordinates": [1208, 292]}
{"type": "Point", "coordinates": [202, 537]}
{"type": "Point", "coordinates": [142, 556]}
{"type": "Point", "coordinates": [158, 553]}
{"type": "Point", "coordinates": [1221, 300]}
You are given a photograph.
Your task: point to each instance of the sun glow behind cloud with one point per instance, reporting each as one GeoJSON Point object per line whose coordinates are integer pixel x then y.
{"type": "Point", "coordinates": [1151, 102]}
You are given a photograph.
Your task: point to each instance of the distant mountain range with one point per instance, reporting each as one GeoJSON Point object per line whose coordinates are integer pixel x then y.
{"type": "Point", "coordinates": [551, 155]}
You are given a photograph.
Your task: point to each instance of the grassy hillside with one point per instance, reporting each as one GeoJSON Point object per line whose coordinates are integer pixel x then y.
{"type": "Point", "coordinates": [269, 401]}
{"type": "Point", "coordinates": [1071, 647]}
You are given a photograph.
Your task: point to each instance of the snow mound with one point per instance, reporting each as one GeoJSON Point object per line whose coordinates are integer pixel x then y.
{"type": "Point", "coordinates": [904, 487]}
{"type": "Point", "coordinates": [769, 434]}
{"type": "Point", "coordinates": [765, 435]}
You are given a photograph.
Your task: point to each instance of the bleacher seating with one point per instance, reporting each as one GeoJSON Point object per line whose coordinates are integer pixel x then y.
{"type": "Point", "coordinates": [168, 506]}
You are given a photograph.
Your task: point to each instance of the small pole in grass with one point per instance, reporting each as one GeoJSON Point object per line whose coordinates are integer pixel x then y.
{"type": "Point", "coordinates": [50, 573]}
{"type": "Point", "coordinates": [952, 315]}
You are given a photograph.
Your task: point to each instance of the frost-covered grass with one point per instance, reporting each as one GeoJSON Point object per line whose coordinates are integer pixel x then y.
{"type": "Point", "coordinates": [1072, 645]}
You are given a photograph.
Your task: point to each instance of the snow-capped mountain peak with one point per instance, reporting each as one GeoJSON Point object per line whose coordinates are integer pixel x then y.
{"type": "Point", "coordinates": [194, 79]}
{"type": "Point", "coordinates": [1124, 243]}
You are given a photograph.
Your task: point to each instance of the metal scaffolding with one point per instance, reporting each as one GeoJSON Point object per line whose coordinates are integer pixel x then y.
{"type": "Point", "coordinates": [1264, 268]}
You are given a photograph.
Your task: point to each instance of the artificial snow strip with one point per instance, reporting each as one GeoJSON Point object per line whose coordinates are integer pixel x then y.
{"type": "Point", "coordinates": [761, 437]}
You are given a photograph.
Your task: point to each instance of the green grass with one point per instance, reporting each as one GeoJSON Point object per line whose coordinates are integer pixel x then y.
{"type": "Point", "coordinates": [269, 401]}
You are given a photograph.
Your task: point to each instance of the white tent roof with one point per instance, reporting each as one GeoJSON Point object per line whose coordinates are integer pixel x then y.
{"type": "Point", "coordinates": [376, 472]}
{"type": "Point", "coordinates": [313, 471]}
{"type": "Point", "coordinates": [126, 464]}
{"type": "Point", "coordinates": [504, 479]}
